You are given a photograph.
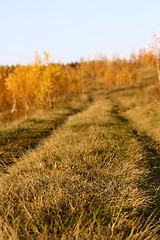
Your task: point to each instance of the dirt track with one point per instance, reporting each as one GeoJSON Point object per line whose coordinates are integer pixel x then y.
{"type": "Point", "coordinates": [106, 170]}
{"type": "Point", "coordinates": [151, 156]}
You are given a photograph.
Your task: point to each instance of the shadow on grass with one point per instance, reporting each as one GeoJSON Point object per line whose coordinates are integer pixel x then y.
{"type": "Point", "coordinates": [152, 157]}
{"type": "Point", "coordinates": [121, 89]}
{"type": "Point", "coordinates": [151, 153]}
{"type": "Point", "coordinates": [27, 136]}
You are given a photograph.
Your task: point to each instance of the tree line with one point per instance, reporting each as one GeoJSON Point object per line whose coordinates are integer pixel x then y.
{"type": "Point", "coordinates": [41, 83]}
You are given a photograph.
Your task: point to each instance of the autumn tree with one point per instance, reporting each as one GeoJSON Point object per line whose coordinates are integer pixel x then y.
{"type": "Point", "coordinates": [74, 78]}
{"type": "Point", "coordinates": [110, 76]}
{"type": "Point", "coordinates": [17, 84]}
{"type": "Point", "coordinates": [155, 46]}
{"type": "Point", "coordinates": [54, 83]}
{"type": "Point", "coordinates": [22, 83]}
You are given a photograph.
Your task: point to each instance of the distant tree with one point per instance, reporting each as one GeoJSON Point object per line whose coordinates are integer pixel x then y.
{"type": "Point", "coordinates": [110, 77]}
{"type": "Point", "coordinates": [53, 83]}
{"type": "Point", "coordinates": [17, 85]}
{"type": "Point", "coordinates": [123, 75]}
{"type": "Point", "coordinates": [155, 46]}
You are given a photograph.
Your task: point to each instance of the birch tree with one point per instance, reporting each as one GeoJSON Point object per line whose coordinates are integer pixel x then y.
{"type": "Point", "coordinates": [155, 46]}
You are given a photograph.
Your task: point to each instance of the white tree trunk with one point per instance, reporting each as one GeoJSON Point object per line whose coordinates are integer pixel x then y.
{"type": "Point", "coordinates": [158, 70]}
{"type": "Point", "coordinates": [14, 107]}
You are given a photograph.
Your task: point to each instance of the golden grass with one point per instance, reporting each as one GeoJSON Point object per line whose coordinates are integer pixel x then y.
{"type": "Point", "coordinates": [84, 182]}
{"type": "Point", "coordinates": [141, 107]}
{"type": "Point", "coordinates": [18, 137]}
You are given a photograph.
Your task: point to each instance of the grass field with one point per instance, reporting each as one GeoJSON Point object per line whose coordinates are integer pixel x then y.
{"type": "Point", "coordinates": [88, 170]}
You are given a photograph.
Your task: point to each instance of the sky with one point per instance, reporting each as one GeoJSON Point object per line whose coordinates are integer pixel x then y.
{"type": "Point", "coordinates": [71, 29]}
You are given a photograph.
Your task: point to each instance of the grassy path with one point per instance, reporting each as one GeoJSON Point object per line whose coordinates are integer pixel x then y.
{"type": "Point", "coordinates": [26, 136]}
{"type": "Point", "coordinates": [151, 156]}
{"type": "Point", "coordinates": [29, 133]}
{"type": "Point", "coordinates": [94, 179]}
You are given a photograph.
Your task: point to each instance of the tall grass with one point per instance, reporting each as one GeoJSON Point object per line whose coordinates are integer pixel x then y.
{"type": "Point", "coordinates": [83, 183]}
{"type": "Point", "coordinates": [141, 107]}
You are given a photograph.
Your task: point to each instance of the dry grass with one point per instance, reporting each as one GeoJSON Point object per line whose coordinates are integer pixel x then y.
{"type": "Point", "coordinates": [83, 183]}
{"type": "Point", "coordinates": [141, 107]}
{"type": "Point", "coordinates": [20, 136]}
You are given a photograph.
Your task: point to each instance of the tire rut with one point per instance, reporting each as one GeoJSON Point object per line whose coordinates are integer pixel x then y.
{"type": "Point", "coordinates": [27, 136]}
{"type": "Point", "coordinates": [151, 156]}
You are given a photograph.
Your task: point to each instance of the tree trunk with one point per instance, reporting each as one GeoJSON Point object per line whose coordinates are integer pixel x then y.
{"type": "Point", "coordinates": [14, 107]}
{"type": "Point", "coordinates": [158, 70]}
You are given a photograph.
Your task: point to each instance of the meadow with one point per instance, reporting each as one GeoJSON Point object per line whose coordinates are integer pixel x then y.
{"type": "Point", "coordinates": [80, 149]}
{"type": "Point", "coordinates": [87, 169]}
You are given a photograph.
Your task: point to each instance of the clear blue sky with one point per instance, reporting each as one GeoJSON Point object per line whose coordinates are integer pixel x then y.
{"type": "Point", "coordinates": [69, 29]}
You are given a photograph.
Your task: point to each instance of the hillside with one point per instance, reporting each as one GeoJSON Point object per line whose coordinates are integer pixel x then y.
{"type": "Point", "coordinates": [95, 177]}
